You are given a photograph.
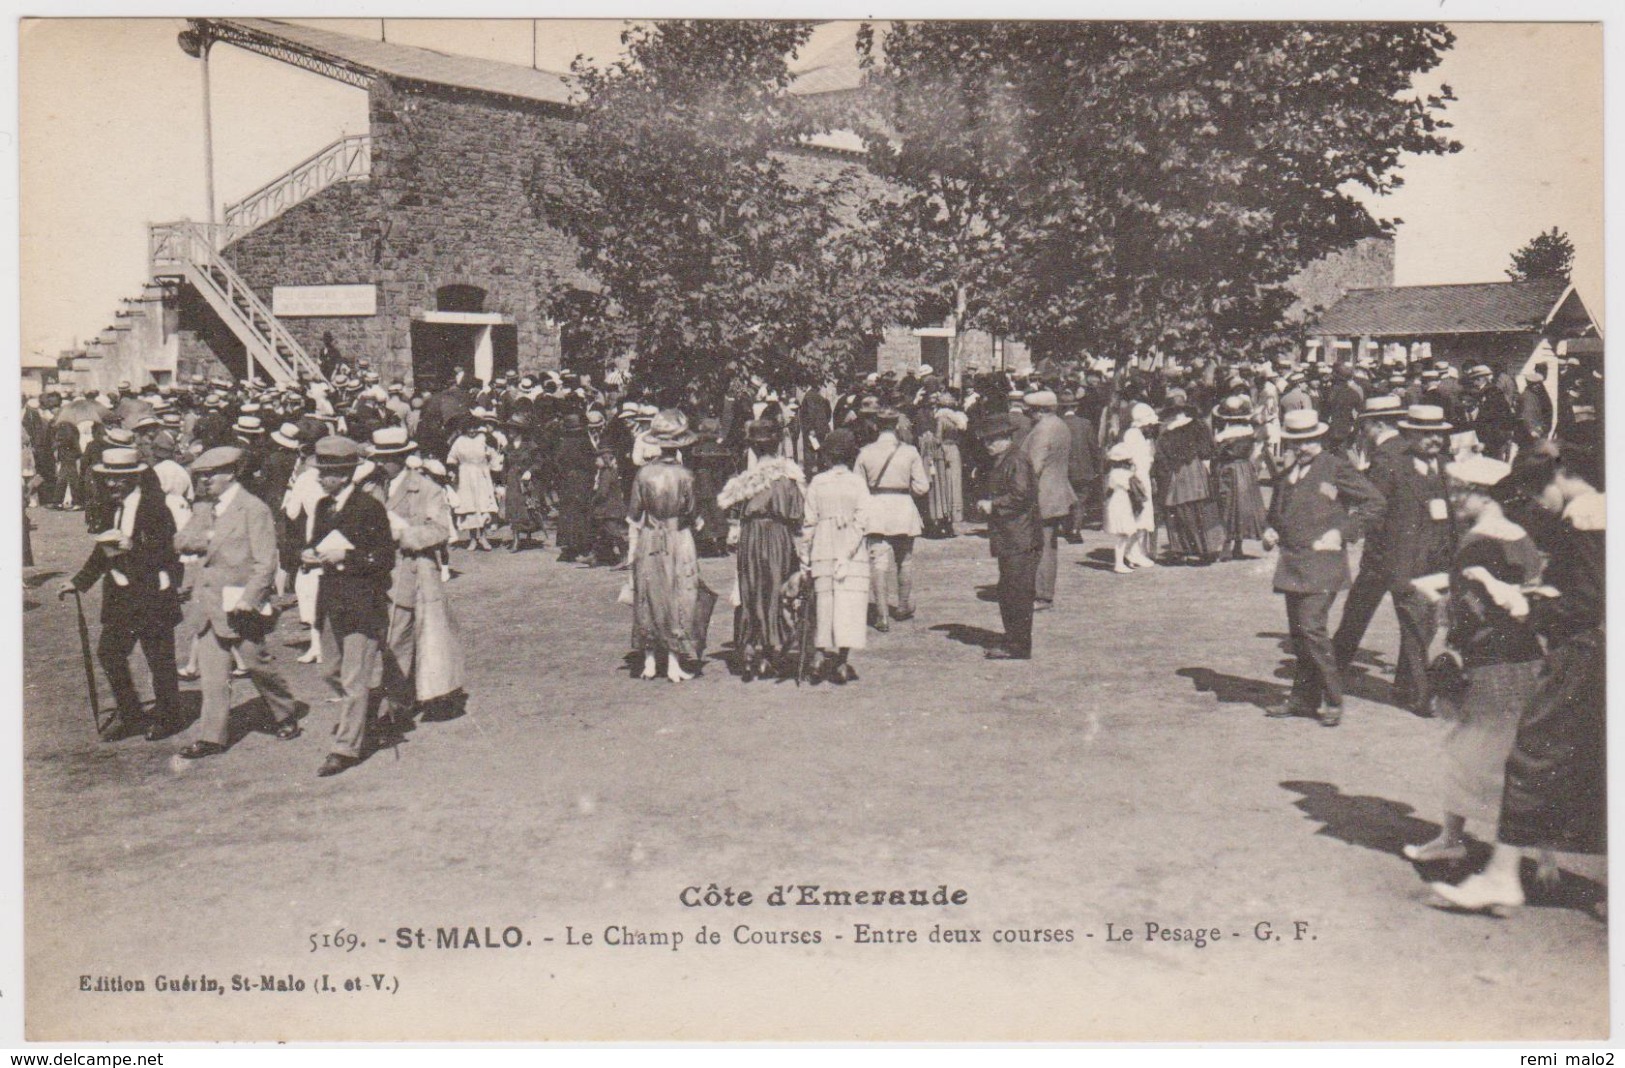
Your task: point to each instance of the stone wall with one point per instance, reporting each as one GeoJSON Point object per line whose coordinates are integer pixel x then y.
{"type": "Point", "coordinates": [1369, 264]}
{"type": "Point", "coordinates": [447, 203]}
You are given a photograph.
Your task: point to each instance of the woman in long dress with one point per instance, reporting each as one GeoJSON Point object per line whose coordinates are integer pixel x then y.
{"type": "Point", "coordinates": [1142, 548]}
{"type": "Point", "coordinates": [1555, 793]}
{"type": "Point", "coordinates": [948, 480]}
{"type": "Point", "coordinates": [1184, 448]}
{"type": "Point", "coordinates": [1235, 479]}
{"type": "Point", "coordinates": [834, 552]}
{"type": "Point", "coordinates": [665, 566]}
{"type": "Point", "coordinates": [472, 455]}
{"type": "Point", "coordinates": [1499, 657]}
{"type": "Point", "coordinates": [522, 505]}
{"type": "Point", "coordinates": [767, 500]}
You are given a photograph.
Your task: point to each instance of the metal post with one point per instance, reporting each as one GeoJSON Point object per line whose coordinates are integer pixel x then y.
{"type": "Point", "coordinates": [208, 139]}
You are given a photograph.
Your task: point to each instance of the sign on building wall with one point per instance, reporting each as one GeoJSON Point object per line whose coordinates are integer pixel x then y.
{"type": "Point", "coordinates": [296, 301]}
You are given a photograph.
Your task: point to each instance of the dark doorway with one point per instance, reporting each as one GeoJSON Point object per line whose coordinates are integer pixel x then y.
{"type": "Point", "coordinates": [504, 349]}
{"type": "Point", "coordinates": [438, 349]}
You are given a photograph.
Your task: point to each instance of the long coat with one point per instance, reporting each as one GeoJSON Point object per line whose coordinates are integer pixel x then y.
{"type": "Point", "coordinates": [1329, 494]}
{"type": "Point", "coordinates": [1049, 446]}
{"type": "Point", "coordinates": [238, 546]}
{"type": "Point", "coordinates": [1416, 534]}
{"type": "Point", "coordinates": [424, 514]}
{"type": "Point", "coordinates": [1014, 523]}
{"type": "Point", "coordinates": [354, 592]}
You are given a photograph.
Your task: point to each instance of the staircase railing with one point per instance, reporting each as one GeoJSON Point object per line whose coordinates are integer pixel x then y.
{"type": "Point", "coordinates": [190, 249]}
{"type": "Point", "coordinates": [345, 160]}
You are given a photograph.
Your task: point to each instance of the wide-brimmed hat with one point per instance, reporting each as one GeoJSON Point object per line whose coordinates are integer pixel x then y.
{"type": "Point", "coordinates": [119, 461]}
{"type": "Point", "coordinates": [1043, 398]}
{"type": "Point", "coordinates": [1534, 374]}
{"type": "Point", "coordinates": [1302, 424]}
{"type": "Point", "coordinates": [1478, 470]}
{"type": "Point", "coordinates": [670, 430]}
{"type": "Point", "coordinates": [1234, 409]}
{"type": "Point", "coordinates": [869, 406]}
{"type": "Point", "coordinates": [1426, 417]}
{"type": "Point", "coordinates": [1384, 407]}
{"type": "Point", "coordinates": [998, 425]}
{"type": "Point", "coordinates": [1479, 370]}
{"type": "Point", "coordinates": [145, 420]}
{"type": "Point", "coordinates": [287, 435]}
{"type": "Point", "coordinates": [219, 458]}
{"type": "Point", "coordinates": [248, 424]}
{"type": "Point", "coordinates": [336, 453]}
{"type": "Point", "coordinates": [391, 441]}
{"type": "Point", "coordinates": [1142, 414]}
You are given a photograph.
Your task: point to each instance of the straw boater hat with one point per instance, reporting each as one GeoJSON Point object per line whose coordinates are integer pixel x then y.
{"type": "Point", "coordinates": [1426, 417]}
{"type": "Point", "coordinates": [595, 418]}
{"type": "Point", "coordinates": [1389, 408]}
{"type": "Point", "coordinates": [119, 462]}
{"type": "Point", "coordinates": [286, 435]}
{"type": "Point", "coordinates": [670, 430]}
{"type": "Point", "coordinates": [146, 420]}
{"type": "Point", "coordinates": [391, 441]}
{"type": "Point", "coordinates": [1043, 398]}
{"type": "Point", "coordinates": [1234, 409]}
{"type": "Point", "coordinates": [336, 453]}
{"type": "Point", "coordinates": [1478, 470]}
{"type": "Point", "coordinates": [1302, 424]}
{"type": "Point", "coordinates": [1479, 370]}
{"type": "Point", "coordinates": [248, 424]}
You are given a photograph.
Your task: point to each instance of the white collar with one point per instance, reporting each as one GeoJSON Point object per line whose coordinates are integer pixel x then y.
{"type": "Point", "coordinates": [342, 497]}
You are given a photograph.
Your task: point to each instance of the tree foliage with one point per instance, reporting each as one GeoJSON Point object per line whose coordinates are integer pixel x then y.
{"type": "Point", "coordinates": [1549, 254]}
{"type": "Point", "coordinates": [1126, 188]}
{"type": "Point", "coordinates": [716, 254]}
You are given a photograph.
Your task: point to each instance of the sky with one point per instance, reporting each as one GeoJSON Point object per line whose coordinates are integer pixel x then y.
{"type": "Point", "coordinates": [112, 139]}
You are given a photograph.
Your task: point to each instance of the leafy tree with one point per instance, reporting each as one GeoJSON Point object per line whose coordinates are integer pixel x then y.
{"type": "Point", "coordinates": [1549, 254]}
{"type": "Point", "coordinates": [1128, 188]}
{"type": "Point", "coordinates": [717, 250]}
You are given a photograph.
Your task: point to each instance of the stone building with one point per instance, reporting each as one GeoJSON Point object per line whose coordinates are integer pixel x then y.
{"type": "Point", "coordinates": [417, 247]}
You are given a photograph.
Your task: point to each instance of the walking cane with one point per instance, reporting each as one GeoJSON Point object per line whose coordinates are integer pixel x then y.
{"type": "Point", "coordinates": [90, 667]}
{"type": "Point", "coordinates": [805, 615]}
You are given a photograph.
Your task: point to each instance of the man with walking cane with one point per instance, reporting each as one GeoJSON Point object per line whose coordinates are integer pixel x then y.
{"type": "Point", "coordinates": [140, 574]}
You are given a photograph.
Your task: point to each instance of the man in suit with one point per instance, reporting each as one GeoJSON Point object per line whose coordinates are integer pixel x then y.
{"type": "Point", "coordinates": [1320, 505]}
{"type": "Point", "coordinates": [135, 560]}
{"type": "Point", "coordinates": [233, 533]}
{"type": "Point", "coordinates": [816, 420]}
{"type": "Point", "coordinates": [351, 540]}
{"type": "Point", "coordinates": [1083, 466]}
{"type": "Point", "coordinates": [1414, 537]}
{"type": "Point", "coordinates": [419, 519]}
{"type": "Point", "coordinates": [1015, 534]}
{"type": "Point", "coordinates": [1384, 453]}
{"type": "Point", "coordinates": [1048, 446]}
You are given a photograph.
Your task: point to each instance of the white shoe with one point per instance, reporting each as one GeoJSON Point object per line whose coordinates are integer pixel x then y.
{"type": "Point", "coordinates": [1123, 569]}
{"type": "Point", "coordinates": [1478, 894]}
{"type": "Point", "coordinates": [313, 655]}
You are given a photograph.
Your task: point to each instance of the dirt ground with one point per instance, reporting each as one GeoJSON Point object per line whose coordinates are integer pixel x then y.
{"type": "Point", "coordinates": [1125, 776]}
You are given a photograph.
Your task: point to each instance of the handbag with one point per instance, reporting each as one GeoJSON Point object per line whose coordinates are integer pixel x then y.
{"type": "Point", "coordinates": [1446, 676]}
{"type": "Point", "coordinates": [705, 601]}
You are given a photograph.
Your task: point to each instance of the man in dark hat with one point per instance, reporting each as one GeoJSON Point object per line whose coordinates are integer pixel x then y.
{"type": "Point", "coordinates": [575, 464]}
{"type": "Point", "coordinates": [233, 534]}
{"type": "Point", "coordinates": [1320, 505]}
{"type": "Point", "coordinates": [351, 540]}
{"type": "Point", "coordinates": [1015, 534]}
{"type": "Point", "coordinates": [140, 574]}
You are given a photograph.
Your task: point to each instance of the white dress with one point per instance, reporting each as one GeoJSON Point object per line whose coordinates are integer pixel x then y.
{"type": "Point", "coordinates": [476, 493]}
{"type": "Point", "coordinates": [1119, 510]}
{"type": "Point", "coordinates": [1142, 454]}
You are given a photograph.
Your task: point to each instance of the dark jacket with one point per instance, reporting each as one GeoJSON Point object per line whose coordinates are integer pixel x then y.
{"type": "Point", "coordinates": [1331, 494]}
{"type": "Point", "coordinates": [1416, 534]}
{"type": "Point", "coordinates": [1014, 525]}
{"type": "Point", "coordinates": [151, 557]}
{"type": "Point", "coordinates": [354, 593]}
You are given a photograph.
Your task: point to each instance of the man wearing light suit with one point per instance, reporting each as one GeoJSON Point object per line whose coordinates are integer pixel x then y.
{"type": "Point", "coordinates": [235, 536]}
{"type": "Point", "coordinates": [1048, 446]}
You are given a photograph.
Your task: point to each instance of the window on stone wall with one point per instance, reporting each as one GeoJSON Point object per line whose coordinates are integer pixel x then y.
{"type": "Point", "coordinates": [459, 298]}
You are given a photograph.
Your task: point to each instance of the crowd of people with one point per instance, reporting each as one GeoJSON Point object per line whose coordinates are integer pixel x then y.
{"type": "Point", "coordinates": [1478, 501]}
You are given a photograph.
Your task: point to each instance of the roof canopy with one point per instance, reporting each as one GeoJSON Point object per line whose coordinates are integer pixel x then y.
{"type": "Point", "coordinates": [1476, 308]}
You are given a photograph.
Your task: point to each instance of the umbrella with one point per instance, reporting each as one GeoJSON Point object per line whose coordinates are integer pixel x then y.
{"type": "Point", "coordinates": [80, 410]}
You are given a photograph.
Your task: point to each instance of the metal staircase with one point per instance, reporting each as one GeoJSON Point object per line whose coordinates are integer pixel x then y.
{"type": "Point", "coordinates": [188, 251]}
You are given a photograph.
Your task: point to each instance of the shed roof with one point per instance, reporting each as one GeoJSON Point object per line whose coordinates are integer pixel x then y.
{"type": "Point", "coordinates": [1473, 308]}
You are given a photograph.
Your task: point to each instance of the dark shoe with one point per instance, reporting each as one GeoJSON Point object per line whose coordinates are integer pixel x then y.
{"type": "Point", "coordinates": [1331, 715]}
{"type": "Point", "coordinates": [1287, 710]}
{"type": "Point", "coordinates": [903, 617]}
{"type": "Point", "coordinates": [288, 730]}
{"type": "Point", "coordinates": [199, 750]}
{"type": "Point", "coordinates": [117, 729]}
{"type": "Point", "coordinates": [1005, 654]}
{"type": "Point", "coordinates": [883, 625]}
{"type": "Point", "coordinates": [157, 730]}
{"type": "Point", "coordinates": [334, 764]}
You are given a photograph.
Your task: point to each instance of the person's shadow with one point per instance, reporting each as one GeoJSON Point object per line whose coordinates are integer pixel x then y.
{"type": "Point", "coordinates": [1099, 560]}
{"type": "Point", "coordinates": [1234, 689]}
{"type": "Point", "coordinates": [988, 593]}
{"type": "Point", "coordinates": [969, 635]}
